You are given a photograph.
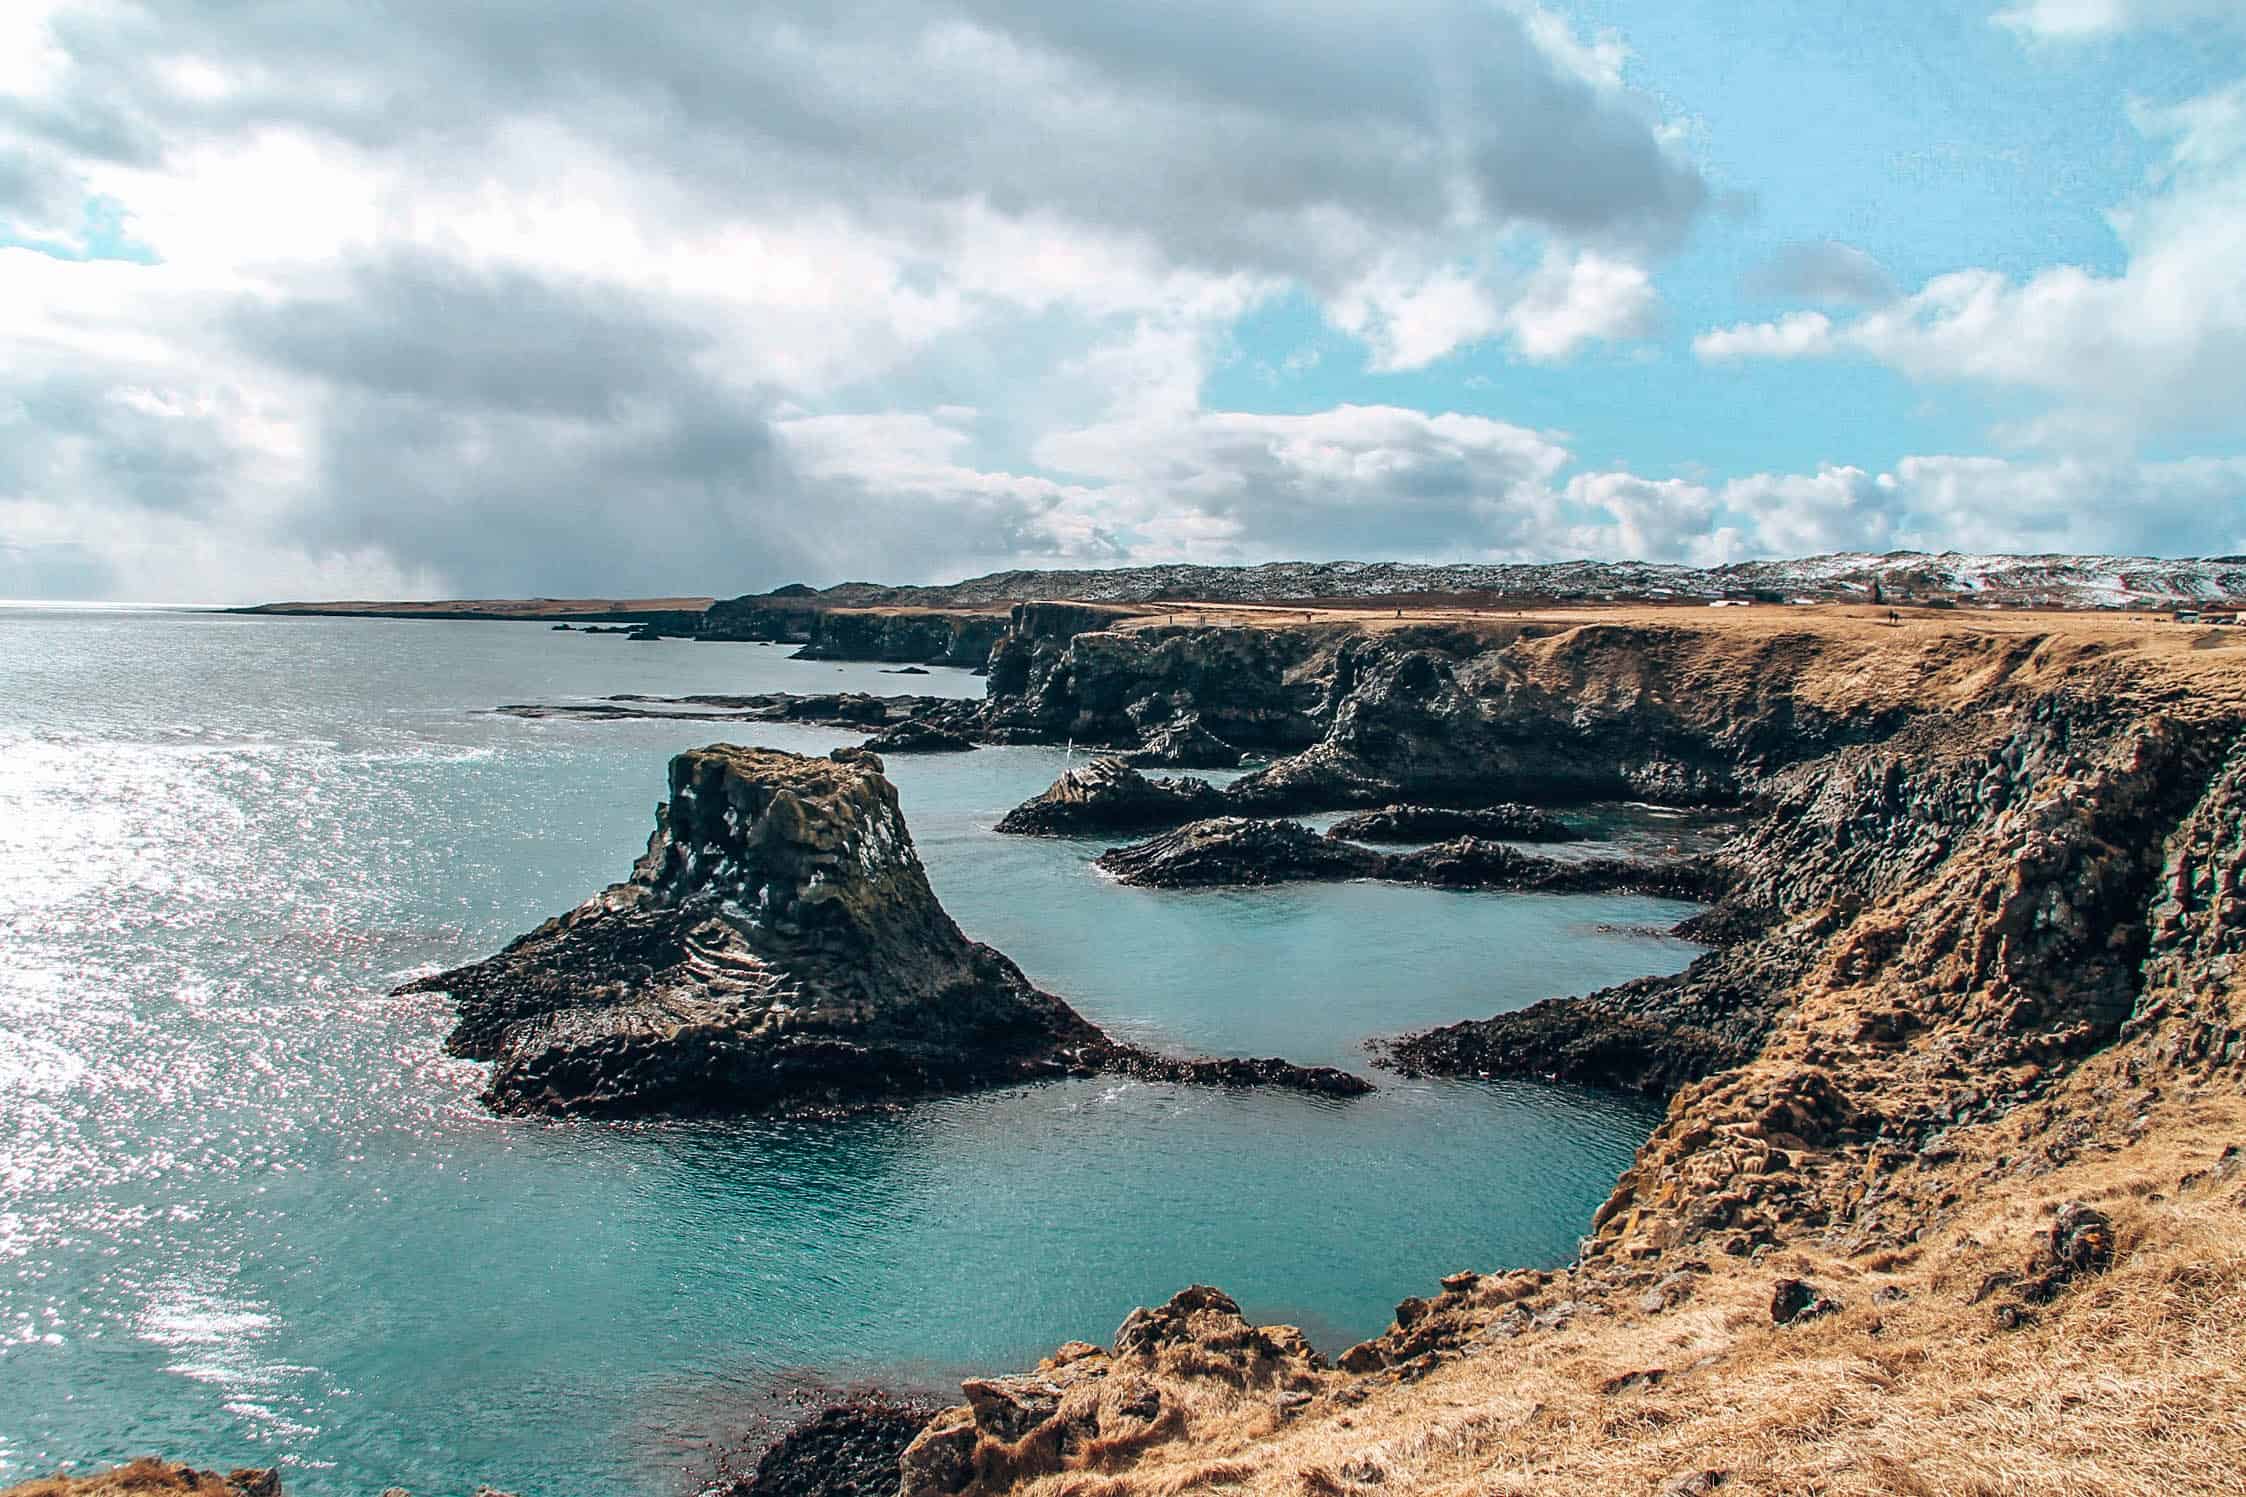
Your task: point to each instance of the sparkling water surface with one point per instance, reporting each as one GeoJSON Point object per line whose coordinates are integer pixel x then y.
{"type": "Point", "coordinates": [251, 1214]}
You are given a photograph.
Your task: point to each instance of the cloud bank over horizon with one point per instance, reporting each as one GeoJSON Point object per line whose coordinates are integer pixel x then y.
{"type": "Point", "coordinates": [440, 299]}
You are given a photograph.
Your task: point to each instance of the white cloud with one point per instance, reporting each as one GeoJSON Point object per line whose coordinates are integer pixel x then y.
{"type": "Point", "coordinates": [1354, 480]}
{"type": "Point", "coordinates": [503, 300]}
{"type": "Point", "coordinates": [1573, 301]}
{"type": "Point", "coordinates": [1796, 335]}
{"type": "Point", "coordinates": [2082, 20]}
{"type": "Point", "coordinates": [2071, 505]}
{"type": "Point", "coordinates": [2158, 348]}
{"type": "Point", "coordinates": [1933, 503]}
{"type": "Point", "coordinates": [1411, 318]}
{"type": "Point", "coordinates": [1666, 519]}
{"type": "Point", "coordinates": [1803, 514]}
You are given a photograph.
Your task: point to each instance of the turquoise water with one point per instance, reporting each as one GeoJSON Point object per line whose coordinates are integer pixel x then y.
{"type": "Point", "coordinates": [249, 1213]}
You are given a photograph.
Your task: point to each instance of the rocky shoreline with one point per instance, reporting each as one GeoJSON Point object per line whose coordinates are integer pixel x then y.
{"type": "Point", "coordinates": [1955, 1095]}
{"type": "Point", "coordinates": [1987, 911]}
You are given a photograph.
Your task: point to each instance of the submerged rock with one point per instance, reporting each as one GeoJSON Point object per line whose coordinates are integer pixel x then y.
{"type": "Point", "coordinates": [919, 737]}
{"type": "Point", "coordinates": [1512, 822]}
{"type": "Point", "coordinates": [1108, 795]}
{"type": "Point", "coordinates": [1236, 850]}
{"type": "Point", "coordinates": [776, 950]}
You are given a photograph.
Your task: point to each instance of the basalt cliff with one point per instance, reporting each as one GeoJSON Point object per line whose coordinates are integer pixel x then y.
{"type": "Point", "coordinates": [778, 950]}
{"type": "Point", "coordinates": [1950, 1190]}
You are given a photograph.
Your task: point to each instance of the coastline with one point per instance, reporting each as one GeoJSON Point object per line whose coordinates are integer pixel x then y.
{"type": "Point", "coordinates": [1908, 992]}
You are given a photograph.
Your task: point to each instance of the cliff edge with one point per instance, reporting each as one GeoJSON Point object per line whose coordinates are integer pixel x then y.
{"type": "Point", "coordinates": [1950, 1193]}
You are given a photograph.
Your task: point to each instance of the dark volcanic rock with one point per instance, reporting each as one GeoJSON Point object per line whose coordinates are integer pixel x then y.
{"type": "Point", "coordinates": [1511, 822]}
{"type": "Point", "coordinates": [1470, 863]}
{"type": "Point", "coordinates": [924, 638]}
{"type": "Point", "coordinates": [1793, 1300]}
{"type": "Point", "coordinates": [845, 1450]}
{"type": "Point", "coordinates": [1235, 850]}
{"type": "Point", "coordinates": [1653, 1035]}
{"type": "Point", "coordinates": [1066, 671]}
{"type": "Point", "coordinates": [776, 950]}
{"type": "Point", "coordinates": [918, 737]}
{"type": "Point", "coordinates": [1324, 1081]}
{"type": "Point", "coordinates": [1108, 795]}
{"type": "Point", "coordinates": [838, 706]}
{"type": "Point", "coordinates": [1240, 850]}
{"type": "Point", "coordinates": [1185, 744]}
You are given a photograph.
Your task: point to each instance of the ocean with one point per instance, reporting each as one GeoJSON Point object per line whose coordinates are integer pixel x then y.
{"type": "Point", "coordinates": [250, 1213]}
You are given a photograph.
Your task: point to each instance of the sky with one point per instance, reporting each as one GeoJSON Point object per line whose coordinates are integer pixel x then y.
{"type": "Point", "coordinates": [441, 298]}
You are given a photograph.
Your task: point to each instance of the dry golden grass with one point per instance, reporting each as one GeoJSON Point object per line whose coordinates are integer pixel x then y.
{"type": "Point", "coordinates": [2132, 1384]}
{"type": "Point", "coordinates": [149, 1478]}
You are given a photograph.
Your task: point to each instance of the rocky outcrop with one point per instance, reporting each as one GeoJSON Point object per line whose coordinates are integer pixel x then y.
{"type": "Point", "coordinates": [153, 1478]}
{"type": "Point", "coordinates": [1236, 850]}
{"type": "Point", "coordinates": [848, 1449]}
{"type": "Point", "coordinates": [918, 736]}
{"type": "Point", "coordinates": [1507, 823]}
{"type": "Point", "coordinates": [920, 638]}
{"type": "Point", "coordinates": [1108, 795]}
{"type": "Point", "coordinates": [1185, 744]}
{"type": "Point", "coordinates": [1471, 863]}
{"type": "Point", "coordinates": [917, 636]}
{"type": "Point", "coordinates": [776, 950]}
{"type": "Point", "coordinates": [1241, 850]}
{"type": "Point", "coordinates": [1064, 672]}
{"type": "Point", "coordinates": [1086, 1408]}
{"type": "Point", "coordinates": [1654, 1035]}
{"type": "Point", "coordinates": [761, 619]}
{"type": "Point", "coordinates": [1453, 715]}
{"type": "Point", "coordinates": [834, 709]}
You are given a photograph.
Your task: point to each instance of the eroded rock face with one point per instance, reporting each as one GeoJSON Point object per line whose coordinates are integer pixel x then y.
{"type": "Point", "coordinates": [1509, 822]}
{"type": "Point", "coordinates": [1236, 850]}
{"type": "Point", "coordinates": [778, 950]}
{"type": "Point", "coordinates": [1065, 671]}
{"type": "Point", "coordinates": [1089, 1409]}
{"type": "Point", "coordinates": [1108, 795]}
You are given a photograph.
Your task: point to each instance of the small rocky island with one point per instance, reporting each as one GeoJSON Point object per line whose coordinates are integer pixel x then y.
{"type": "Point", "coordinates": [778, 950]}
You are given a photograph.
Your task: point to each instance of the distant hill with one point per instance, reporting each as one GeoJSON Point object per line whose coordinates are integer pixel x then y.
{"type": "Point", "coordinates": [2054, 581]}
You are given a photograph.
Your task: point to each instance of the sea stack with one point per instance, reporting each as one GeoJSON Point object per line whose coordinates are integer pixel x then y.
{"type": "Point", "coordinates": [777, 950]}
